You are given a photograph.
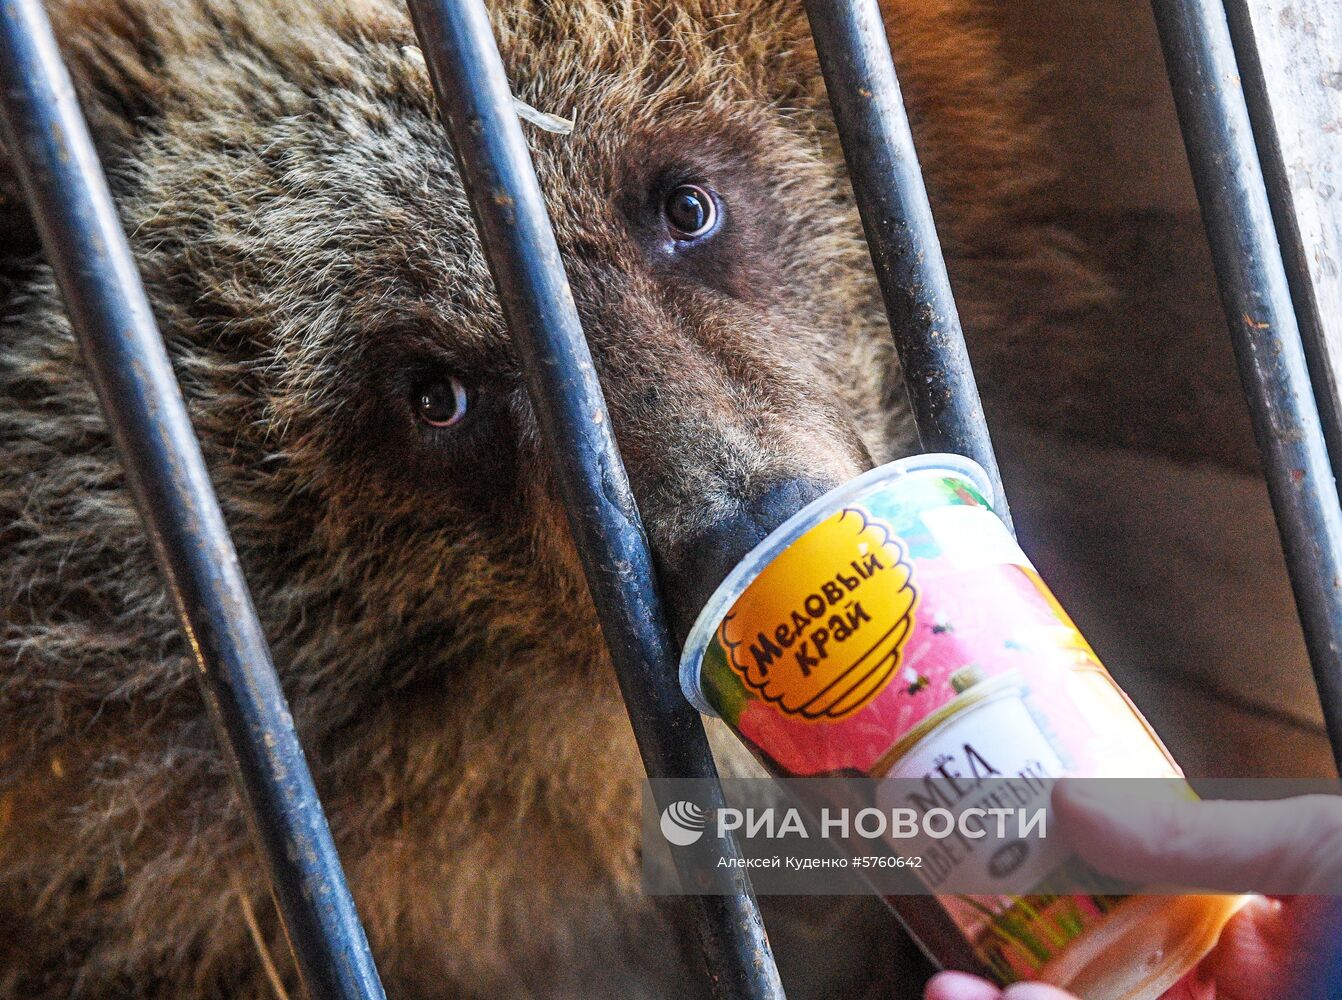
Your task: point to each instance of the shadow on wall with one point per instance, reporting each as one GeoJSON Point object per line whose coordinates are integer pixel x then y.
{"type": "Point", "coordinates": [1125, 442]}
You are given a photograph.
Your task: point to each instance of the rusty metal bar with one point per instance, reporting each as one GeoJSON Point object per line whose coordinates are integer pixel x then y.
{"type": "Point", "coordinates": [901, 234]}
{"type": "Point", "coordinates": [1256, 297]}
{"type": "Point", "coordinates": [1278, 77]}
{"type": "Point", "coordinates": [110, 314]}
{"type": "Point", "coordinates": [514, 228]}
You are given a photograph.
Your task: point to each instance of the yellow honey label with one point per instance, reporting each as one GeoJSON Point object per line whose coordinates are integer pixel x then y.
{"type": "Point", "coordinates": [820, 631]}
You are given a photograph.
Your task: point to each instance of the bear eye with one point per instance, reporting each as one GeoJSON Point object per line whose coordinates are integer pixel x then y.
{"type": "Point", "coordinates": [441, 401]}
{"type": "Point", "coordinates": [691, 212]}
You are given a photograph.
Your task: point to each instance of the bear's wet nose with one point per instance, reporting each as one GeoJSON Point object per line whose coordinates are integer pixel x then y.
{"type": "Point", "coordinates": [706, 558]}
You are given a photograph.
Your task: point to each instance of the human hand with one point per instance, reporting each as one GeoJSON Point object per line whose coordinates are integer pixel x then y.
{"type": "Point", "coordinates": [1286, 946]}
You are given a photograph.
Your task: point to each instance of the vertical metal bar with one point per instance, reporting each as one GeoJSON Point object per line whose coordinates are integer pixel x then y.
{"type": "Point", "coordinates": [1257, 303]}
{"type": "Point", "coordinates": [514, 228]}
{"type": "Point", "coordinates": [1324, 364]}
{"type": "Point", "coordinates": [88, 251]}
{"type": "Point", "coordinates": [897, 217]}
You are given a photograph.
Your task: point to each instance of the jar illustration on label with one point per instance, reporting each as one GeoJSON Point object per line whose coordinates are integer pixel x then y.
{"type": "Point", "coordinates": [986, 731]}
{"type": "Point", "coordinates": [895, 629]}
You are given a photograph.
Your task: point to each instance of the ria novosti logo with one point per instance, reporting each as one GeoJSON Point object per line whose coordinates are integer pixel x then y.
{"type": "Point", "coordinates": [683, 823]}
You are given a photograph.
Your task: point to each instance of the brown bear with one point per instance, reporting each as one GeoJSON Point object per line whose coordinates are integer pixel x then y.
{"type": "Point", "coordinates": [293, 205]}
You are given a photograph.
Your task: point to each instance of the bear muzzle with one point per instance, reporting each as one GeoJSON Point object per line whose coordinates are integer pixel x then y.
{"type": "Point", "coordinates": [712, 553]}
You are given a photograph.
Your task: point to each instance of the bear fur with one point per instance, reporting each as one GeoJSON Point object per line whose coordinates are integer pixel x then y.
{"type": "Point", "coordinates": [292, 203]}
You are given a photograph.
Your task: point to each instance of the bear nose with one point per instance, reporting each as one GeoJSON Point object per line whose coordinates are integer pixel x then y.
{"type": "Point", "coordinates": [708, 556]}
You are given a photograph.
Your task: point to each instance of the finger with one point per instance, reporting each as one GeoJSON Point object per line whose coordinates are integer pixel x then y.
{"type": "Point", "coordinates": [1279, 948]}
{"type": "Point", "coordinates": [1287, 846]}
{"type": "Point", "coordinates": [959, 986]}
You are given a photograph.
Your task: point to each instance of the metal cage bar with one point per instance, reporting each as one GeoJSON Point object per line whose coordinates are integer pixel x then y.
{"type": "Point", "coordinates": [1219, 139]}
{"type": "Point", "coordinates": [877, 142]}
{"type": "Point", "coordinates": [125, 354]}
{"type": "Point", "coordinates": [165, 470]}
{"type": "Point", "coordinates": [1309, 305]}
{"type": "Point", "coordinates": [514, 227]}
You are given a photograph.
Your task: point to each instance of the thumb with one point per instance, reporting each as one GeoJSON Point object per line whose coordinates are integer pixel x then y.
{"type": "Point", "coordinates": [1288, 846]}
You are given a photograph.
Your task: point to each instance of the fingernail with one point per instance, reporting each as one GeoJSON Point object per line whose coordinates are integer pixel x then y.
{"type": "Point", "coordinates": [1103, 795]}
{"type": "Point", "coordinates": [1085, 792]}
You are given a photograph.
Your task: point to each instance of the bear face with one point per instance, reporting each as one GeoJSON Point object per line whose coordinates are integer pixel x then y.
{"type": "Point", "coordinates": [293, 205]}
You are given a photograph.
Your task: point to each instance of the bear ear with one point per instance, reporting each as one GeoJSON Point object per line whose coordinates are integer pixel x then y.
{"type": "Point", "coordinates": [113, 52]}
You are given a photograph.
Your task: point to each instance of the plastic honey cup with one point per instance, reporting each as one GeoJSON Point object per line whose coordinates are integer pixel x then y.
{"type": "Point", "coordinates": [893, 624]}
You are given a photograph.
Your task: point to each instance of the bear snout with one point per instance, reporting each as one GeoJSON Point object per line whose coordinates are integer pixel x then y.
{"type": "Point", "coordinates": [704, 559]}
